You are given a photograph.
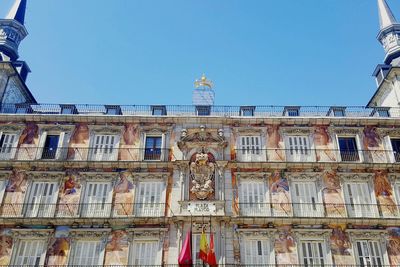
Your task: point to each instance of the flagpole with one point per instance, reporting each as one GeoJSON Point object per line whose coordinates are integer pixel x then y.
{"type": "Point", "coordinates": [191, 239]}
{"type": "Point", "coordinates": [204, 264]}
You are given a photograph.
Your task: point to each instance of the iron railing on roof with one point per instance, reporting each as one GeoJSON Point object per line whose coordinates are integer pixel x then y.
{"type": "Point", "coordinates": [189, 110]}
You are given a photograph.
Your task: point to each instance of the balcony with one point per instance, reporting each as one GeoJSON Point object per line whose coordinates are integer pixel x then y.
{"type": "Point", "coordinates": [192, 111]}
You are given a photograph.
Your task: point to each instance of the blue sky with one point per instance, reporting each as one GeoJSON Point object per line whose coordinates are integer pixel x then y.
{"type": "Point", "coordinates": [260, 52]}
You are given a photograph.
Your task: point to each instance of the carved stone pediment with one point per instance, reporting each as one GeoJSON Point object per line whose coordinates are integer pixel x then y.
{"type": "Point", "coordinates": [101, 129]}
{"type": "Point", "coordinates": [348, 130]}
{"type": "Point", "coordinates": [202, 138]}
{"type": "Point", "coordinates": [150, 176]}
{"type": "Point", "coordinates": [45, 176]}
{"type": "Point", "coordinates": [98, 176]}
{"type": "Point", "coordinates": [56, 128]}
{"type": "Point", "coordinates": [295, 130]}
{"type": "Point", "coordinates": [392, 132]}
{"type": "Point", "coordinates": [89, 234]}
{"type": "Point", "coordinates": [311, 176]}
{"type": "Point", "coordinates": [4, 175]}
{"type": "Point", "coordinates": [147, 233]}
{"type": "Point", "coordinates": [252, 175]}
{"type": "Point", "coordinates": [12, 128]}
{"type": "Point", "coordinates": [256, 232]}
{"type": "Point", "coordinates": [31, 233]}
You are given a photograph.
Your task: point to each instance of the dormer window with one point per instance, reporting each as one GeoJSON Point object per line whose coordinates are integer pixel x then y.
{"type": "Point", "coordinates": [158, 110]}
{"type": "Point", "coordinates": [68, 109]}
{"type": "Point", "coordinates": [337, 112]}
{"type": "Point", "coordinates": [113, 110]}
{"type": "Point", "coordinates": [382, 112]}
{"type": "Point", "coordinates": [247, 111]}
{"type": "Point", "coordinates": [23, 108]}
{"type": "Point", "coordinates": [291, 111]}
{"type": "Point", "coordinates": [203, 110]}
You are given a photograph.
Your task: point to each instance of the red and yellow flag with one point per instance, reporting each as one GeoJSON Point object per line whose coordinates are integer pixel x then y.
{"type": "Point", "coordinates": [211, 258]}
{"type": "Point", "coordinates": [203, 247]}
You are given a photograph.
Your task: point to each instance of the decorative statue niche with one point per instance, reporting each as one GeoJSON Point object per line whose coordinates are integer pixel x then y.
{"type": "Point", "coordinates": [202, 176]}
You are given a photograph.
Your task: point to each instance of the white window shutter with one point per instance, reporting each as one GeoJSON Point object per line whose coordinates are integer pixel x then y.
{"type": "Point", "coordinates": [29, 252]}
{"type": "Point", "coordinates": [62, 146]}
{"type": "Point", "coordinates": [255, 252]}
{"type": "Point", "coordinates": [145, 253]}
{"type": "Point", "coordinates": [149, 202]}
{"type": "Point", "coordinates": [40, 147]}
{"type": "Point", "coordinates": [87, 253]}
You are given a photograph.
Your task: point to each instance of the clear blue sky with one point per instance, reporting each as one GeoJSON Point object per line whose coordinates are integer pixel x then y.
{"type": "Point", "coordinates": [281, 52]}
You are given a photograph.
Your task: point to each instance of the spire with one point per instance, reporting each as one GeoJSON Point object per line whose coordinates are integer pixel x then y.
{"type": "Point", "coordinates": [386, 17]}
{"type": "Point", "coordinates": [17, 12]}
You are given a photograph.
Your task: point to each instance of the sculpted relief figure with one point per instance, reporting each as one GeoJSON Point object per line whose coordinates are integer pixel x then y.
{"type": "Point", "coordinates": [202, 170]}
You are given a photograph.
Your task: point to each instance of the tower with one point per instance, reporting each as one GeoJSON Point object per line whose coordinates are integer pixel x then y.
{"type": "Point", "coordinates": [203, 96]}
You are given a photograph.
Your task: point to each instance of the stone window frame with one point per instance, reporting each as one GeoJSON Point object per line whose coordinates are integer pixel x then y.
{"type": "Point", "coordinates": [258, 234]}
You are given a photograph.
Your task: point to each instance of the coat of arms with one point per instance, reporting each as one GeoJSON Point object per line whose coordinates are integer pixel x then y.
{"type": "Point", "coordinates": [202, 169]}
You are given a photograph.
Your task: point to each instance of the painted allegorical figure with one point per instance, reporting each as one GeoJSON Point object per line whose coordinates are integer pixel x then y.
{"type": "Point", "coordinates": [332, 193]}
{"type": "Point", "coordinates": [285, 247]}
{"type": "Point", "coordinates": [275, 144]}
{"type": "Point", "coordinates": [384, 194]}
{"type": "Point", "coordinates": [79, 143]}
{"type": "Point", "coordinates": [123, 195]}
{"type": "Point", "coordinates": [117, 249]}
{"type": "Point", "coordinates": [69, 195]}
{"type": "Point", "coordinates": [15, 193]}
{"type": "Point", "coordinates": [323, 144]}
{"type": "Point", "coordinates": [6, 244]}
{"type": "Point", "coordinates": [373, 143]}
{"type": "Point", "coordinates": [340, 246]}
{"type": "Point", "coordinates": [130, 142]}
{"type": "Point", "coordinates": [394, 246]}
{"type": "Point", "coordinates": [59, 247]}
{"type": "Point", "coordinates": [280, 195]}
{"type": "Point", "coordinates": [29, 142]}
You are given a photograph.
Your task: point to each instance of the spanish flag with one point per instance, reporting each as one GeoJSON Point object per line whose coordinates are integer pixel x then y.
{"type": "Point", "coordinates": [203, 247]}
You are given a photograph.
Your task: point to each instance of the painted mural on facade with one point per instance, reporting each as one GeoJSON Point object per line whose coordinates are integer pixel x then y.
{"type": "Point", "coordinates": [6, 244]}
{"type": "Point", "coordinates": [332, 195]}
{"type": "Point", "coordinates": [280, 195]}
{"type": "Point", "coordinates": [29, 142]}
{"type": "Point", "coordinates": [124, 195]}
{"type": "Point", "coordinates": [373, 144]}
{"type": "Point", "coordinates": [15, 193]}
{"type": "Point", "coordinates": [393, 246]}
{"type": "Point", "coordinates": [59, 247]}
{"type": "Point", "coordinates": [285, 246]}
{"type": "Point", "coordinates": [324, 146]}
{"type": "Point", "coordinates": [130, 143]}
{"type": "Point", "coordinates": [235, 194]}
{"type": "Point", "coordinates": [69, 195]}
{"type": "Point", "coordinates": [384, 194]}
{"type": "Point", "coordinates": [275, 146]}
{"type": "Point", "coordinates": [79, 143]}
{"type": "Point", "coordinates": [117, 249]}
{"type": "Point", "coordinates": [340, 246]}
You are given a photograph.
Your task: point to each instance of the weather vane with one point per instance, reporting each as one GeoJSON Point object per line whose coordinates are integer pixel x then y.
{"type": "Point", "coordinates": [203, 82]}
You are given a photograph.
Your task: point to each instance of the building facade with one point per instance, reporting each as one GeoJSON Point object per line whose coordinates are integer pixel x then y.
{"type": "Point", "coordinates": [94, 185]}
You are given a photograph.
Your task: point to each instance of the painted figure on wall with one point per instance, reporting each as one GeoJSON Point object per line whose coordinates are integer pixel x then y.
{"type": "Point", "coordinates": [285, 246]}
{"type": "Point", "coordinates": [384, 194]}
{"type": "Point", "coordinates": [79, 143]}
{"type": "Point", "coordinates": [394, 246]}
{"type": "Point", "coordinates": [130, 142]}
{"type": "Point", "coordinates": [6, 243]}
{"type": "Point", "coordinates": [332, 193]}
{"type": "Point", "coordinates": [123, 195]}
{"type": "Point", "coordinates": [340, 246]}
{"type": "Point", "coordinates": [235, 197]}
{"type": "Point", "coordinates": [15, 193]}
{"type": "Point", "coordinates": [59, 247]}
{"type": "Point", "coordinates": [323, 144]}
{"type": "Point", "coordinates": [29, 142]}
{"type": "Point", "coordinates": [69, 195]}
{"type": "Point", "coordinates": [275, 144]}
{"type": "Point", "coordinates": [117, 249]}
{"type": "Point", "coordinates": [374, 145]}
{"type": "Point", "coordinates": [280, 195]}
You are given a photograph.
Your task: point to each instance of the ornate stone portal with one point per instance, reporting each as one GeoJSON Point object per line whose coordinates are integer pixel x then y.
{"type": "Point", "coordinates": [202, 172]}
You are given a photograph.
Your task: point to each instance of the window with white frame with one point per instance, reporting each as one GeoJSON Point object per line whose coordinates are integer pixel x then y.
{"type": "Point", "coordinates": [153, 147]}
{"type": "Point", "coordinates": [253, 198]}
{"type": "Point", "coordinates": [8, 145]}
{"type": "Point", "coordinates": [256, 252]}
{"type": "Point", "coordinates": [87, 253]}
{"type": "Point", "coordinates": [104, 147]}
{"type": "Point", "coordinates": [97, 200]}
{"type": "Point", "coordinates": [150, 199]}
{"type": "Point", "coordinates": [348, 147]}
{"type": "Point", "coordinates": [250, 148]}
{"type": "Point", "coordinates": [3, 184]}
{"type": "Point", "coordinates": [306, 199]}
{"type": "Point", "coordinates": [298, 148]}
{"type": "Point", "coordinates": [41, 199]}
{"type": "Point", "coordinates": [359, 199]}
{"type": "Point", "coordinates": [145, 253]}
{"type": "Point", "coordinates": [29, 252]}
{"type": "Point", "coordinates": [52, 145]}
{"type": "Point", "coordinates": [312, 253]}
{"type": "Point", "coordinates": [368, 252]}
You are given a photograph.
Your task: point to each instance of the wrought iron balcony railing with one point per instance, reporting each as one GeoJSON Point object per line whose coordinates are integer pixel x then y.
{"type": "Point", "coordinates": [187, 110]}
{"type": "Point", "coordinates": [221, 265]}
{"type": "Point", "coordinates": [76, 153]}
{"type": "Point", "coordinates": [82, 210]}
{"type": "Point", "coordinates": [316, 155]}
{"type": "Point", "coordinates": [319, 210]}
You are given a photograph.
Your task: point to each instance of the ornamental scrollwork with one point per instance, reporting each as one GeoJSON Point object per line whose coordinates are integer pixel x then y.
{"type": "Point", "coordinates": [202, 174]}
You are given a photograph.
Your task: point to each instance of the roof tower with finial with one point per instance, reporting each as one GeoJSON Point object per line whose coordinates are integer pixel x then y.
{"type": "Point", "coordinates": [17, 12]}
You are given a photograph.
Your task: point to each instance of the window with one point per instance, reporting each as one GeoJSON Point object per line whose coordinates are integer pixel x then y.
{"type": "Point", "coordinates": [113, 110]}
{"type": "Point", "coordinates": [68, 109]}
{"type": "Point", "coordinates": [144, 253]}
{"type": "Point", "coordinates": [152, 149]}
{"type": "Point", "coordinates": [23, 108]}
{"type": "Point", "coordinates": [306, 200]}
{"type": "Point", "coordinates": [383, 112]}
{"type": "Point", "coordinates": [150, 199]}
{"type": "Point", "coordinates": [368, 253]}
{"type": "Point", "coordinates": [8, 145]}
{"type": "Point", "coordinates": [196, 248]}
{"type": "Point", "coordinates": [338, 111]}
{"type": "Point", "coordinates": [158, 110]}
{"type": "Point", "coordinates": [253, 198]}
{"type": "Point", "coordinates": [247, 111]}
{"type": "Point", "coordinates": [298, 148]}
{"type": "Point", "coordinates": [104, 147]}
{"type": "Point", "coordinates": [312, 253]}
{"type": "Point", "coordinates": [42, 199]}
{"type": "Point", "coordinates": [358, 200]}
{"type": "Point", "coordinates": [97, 201]}
{"type": "Point", "coordinates": [50, 147]}
{"type": "Point", "coordinates": [250, 148]}
{"type": "Point", "coordinates": [292, 111]}
{"type": "Point", "coordinates": [87, 253]}
{"type": "Point", "coordinates": [29, 253]}
{"type": "Point", "coordinates": [203, 110]}
{"type": "Point", "coordinates": [255, 252]}
{"type": "Point", "coordinates": [348, 149]}
{"type": "Point", "coordinates": [396, 149]}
